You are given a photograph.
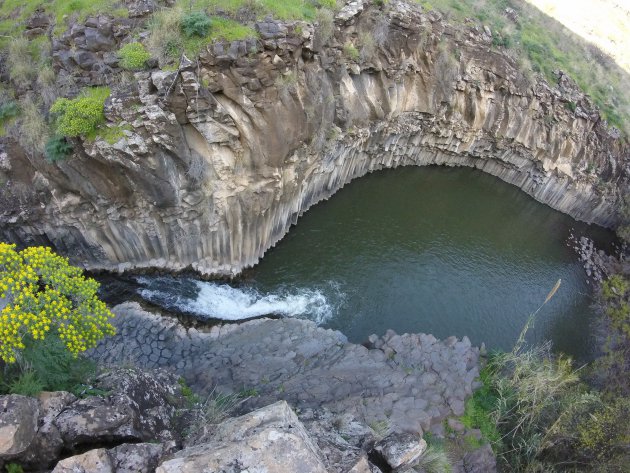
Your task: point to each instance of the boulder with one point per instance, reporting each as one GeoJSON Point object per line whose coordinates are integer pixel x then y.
{"type": "Point", "coordinates": [138, 457]}
{"type": "Point", "coordinates": [93, 461]}
{"type": "Point", "coordinates": [18, 425]}
{"type": "Point", "coordinates": [141, 406]}
{"type": "Point", "coordinates": [155, 396]}
{"type": "Point", "coordinates": [270, 439]}
{"type": "Point", "coordinates": [400, 451]}
{"type": "Point", "coordinates": [47, 443]}
{"type": "Point", "coordinates": [95, 419]}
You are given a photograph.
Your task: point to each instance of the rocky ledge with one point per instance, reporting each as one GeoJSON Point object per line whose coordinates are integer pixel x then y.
{"type": "Point", "coordinates": [308, 398]}
{"type": "Point", "coordinates": [410, 382]}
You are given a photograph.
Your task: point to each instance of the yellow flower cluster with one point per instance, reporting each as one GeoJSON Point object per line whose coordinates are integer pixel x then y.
{"type": "Point", "coordinates": [44, 294]}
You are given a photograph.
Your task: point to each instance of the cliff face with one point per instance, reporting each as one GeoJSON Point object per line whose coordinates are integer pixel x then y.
{"type": "Point", "coordinates": [221, 156]}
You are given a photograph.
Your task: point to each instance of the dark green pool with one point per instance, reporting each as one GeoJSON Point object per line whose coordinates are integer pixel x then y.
{"type": "Point", "coordinates": [438, 250]}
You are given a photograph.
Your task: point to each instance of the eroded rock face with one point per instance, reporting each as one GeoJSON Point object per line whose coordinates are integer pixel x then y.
{"type": "Point", "coordinates": [220, 157]}
{"type": "Point", "coordinates": [270, 439]}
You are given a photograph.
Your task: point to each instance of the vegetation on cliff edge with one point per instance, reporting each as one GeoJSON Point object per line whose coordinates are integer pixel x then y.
{"type": "Point", "coordinates": [50, 315]}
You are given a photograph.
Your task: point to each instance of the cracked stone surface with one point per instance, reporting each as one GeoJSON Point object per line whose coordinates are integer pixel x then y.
{"type": "Point", "coordinates": [404, 383]}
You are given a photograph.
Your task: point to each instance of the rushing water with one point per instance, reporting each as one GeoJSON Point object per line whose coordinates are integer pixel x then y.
{"type": "Point", "coordinates": [436, 250]}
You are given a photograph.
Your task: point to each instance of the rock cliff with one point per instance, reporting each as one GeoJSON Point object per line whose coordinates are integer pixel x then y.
{"type": "Point", "coordinates": [221, 156]}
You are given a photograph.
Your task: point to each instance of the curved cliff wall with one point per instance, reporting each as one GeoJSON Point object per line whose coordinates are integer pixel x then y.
{"type": "Point", "coordinates": [221, 156]}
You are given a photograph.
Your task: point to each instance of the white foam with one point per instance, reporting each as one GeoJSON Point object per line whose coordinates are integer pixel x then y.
{"type": "Point", "coordinates": [221, 301]}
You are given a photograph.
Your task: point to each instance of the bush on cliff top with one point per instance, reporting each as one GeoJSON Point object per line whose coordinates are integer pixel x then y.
{"type": "Point", "coordinates": [80, 116]}
{"type": "Point", "coordinates": [133, 56]}
{"type": "Point", "coordinates": [195, 24]}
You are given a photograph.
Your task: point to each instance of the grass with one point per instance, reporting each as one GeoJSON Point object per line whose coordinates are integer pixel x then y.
{"type": "Point", "coordinates": [167, 40]}
{"type": "Point", "coordinates": [280, 9]}
{"type": "Point", "coordinates": [212, 411]}
{"type": "Point", "coordinates": [480, 408]}
{"type": "Point", "coordinates": [14, 13]}
{"type": "Point", "coordinates": [546, 46]}
{"type": "Point", "coordinates": [47, 366]}
{"type": "Point", "coordinates": [436, 458]}
{"type": "Point", "coordinates": [602, 22]}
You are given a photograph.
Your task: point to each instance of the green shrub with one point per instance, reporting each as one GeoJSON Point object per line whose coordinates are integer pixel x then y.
{"type": "Point", "coordinates": [195, 24]}
{"type": "Point", "coordinates": [8, 110]}
{"type": "Point", "coordinates": [351, 51]}
{"type": "Point", "coordinates": [57, 149]}
{"type": "Point", "coordinates": [14, 468]}
{"type": "Point", "coordinates": [80, 116]}
{"type": "Point", "coordinates": [616, 294]}
{"type": "Point", "coordinates": [229, 30]}
{"type": "Point", "coordinates": [26, 384]}
{"type": "Point", "coordinates": [47, 299]}
{"type": "Point", "coordinates": [133, 56]}
{"type": "Point", "coordinates": [47, 366]}
{"type": "Point", "coordinates": [480, 408]}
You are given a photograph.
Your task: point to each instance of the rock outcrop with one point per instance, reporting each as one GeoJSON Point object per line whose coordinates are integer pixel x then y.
{"type": "Point", "coordinates": [357, 408]}
{"type": "Point", "coordinates": [270, 439]}
{"type": "Point", "coordinates": [220, 157]}
{"type": "Point", "coordinates": [403, 383]}
{"type": "Point", "coordinates": [139, 407]}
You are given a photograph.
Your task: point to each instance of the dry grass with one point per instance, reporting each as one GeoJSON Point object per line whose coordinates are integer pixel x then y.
{"type": "Point", "coordinates": [165, 40]}
{"type": "Point", "coordinates": [325, 25]}
{"type": "Point", "coordinates": [32, 131]}
{"type": "Point", "coordinates": [21, 65]}
{"type": "Point", "coordinates": [605, 23]}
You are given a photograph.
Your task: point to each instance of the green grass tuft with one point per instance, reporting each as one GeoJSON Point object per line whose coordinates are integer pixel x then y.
{"type": "Point", "coordinates": [133, 57]}
{"type": "Point", "coordinates": [480, 407]}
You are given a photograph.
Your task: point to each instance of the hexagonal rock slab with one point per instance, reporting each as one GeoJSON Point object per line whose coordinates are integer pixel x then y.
{"type": "Point", "coordinates": [271, 439]}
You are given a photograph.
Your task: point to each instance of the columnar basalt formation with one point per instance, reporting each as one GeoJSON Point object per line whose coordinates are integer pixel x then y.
{"type": "Point", "coordinates": [221, 156]}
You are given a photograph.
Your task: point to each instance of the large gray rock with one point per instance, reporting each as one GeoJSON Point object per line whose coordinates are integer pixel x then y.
{"type": "Point", "coordinates": [93, 461]}
{"type": "Point", "coordinates": [95, 419]}
{"type": "Point", "coordinates": [47, 443]}
{"type": "Point", "coordinates": [138, 457]}
{"type": "Point", "coordinates": [401, 451]}
{"type": "Point", "coordinates": [154, 395]}
{"type": "Point", "coordinates": [271, 439]}
{"type": "Point", "coordinates": [140, 406]}
{"type": "Point", "coordinates": [18, 425]}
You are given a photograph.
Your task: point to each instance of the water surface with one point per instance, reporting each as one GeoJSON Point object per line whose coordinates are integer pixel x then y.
{"type": "Point", "coordinates": [437, 250]}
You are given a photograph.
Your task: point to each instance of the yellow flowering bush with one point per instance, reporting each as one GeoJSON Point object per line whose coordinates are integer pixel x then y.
{"type": "Point", "coordinates": [45, 295]}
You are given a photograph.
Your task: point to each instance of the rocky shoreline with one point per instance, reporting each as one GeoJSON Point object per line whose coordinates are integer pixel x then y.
{"type": "Point", "coordinates": [348, 408]}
